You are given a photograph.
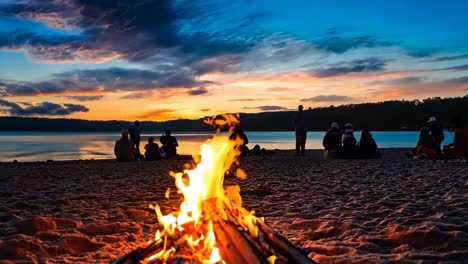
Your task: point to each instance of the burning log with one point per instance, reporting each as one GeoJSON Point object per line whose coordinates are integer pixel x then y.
{"type": "Point", "coordinates": [236, 246]}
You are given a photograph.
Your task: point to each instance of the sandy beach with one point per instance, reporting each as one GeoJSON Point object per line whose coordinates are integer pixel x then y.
{"type": "Point", "coordinates": [392, 209]}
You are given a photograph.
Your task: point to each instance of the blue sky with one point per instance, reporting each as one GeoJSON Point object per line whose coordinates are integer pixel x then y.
{"type": "Point", "coordinates": [225, 56]}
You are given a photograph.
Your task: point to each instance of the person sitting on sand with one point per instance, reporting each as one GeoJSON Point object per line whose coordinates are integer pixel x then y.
{"type": "Point", "coordinates": [169, 144]}
{"type": "Point", "coordinates": [123, 148]}
{"type": "Point", "coordinates": [332, 141]}
{"type": "Point", "coordinates": [152, 150]}
{"type": "Point", "coordinates": [348, 140]}
{"type": "Point", "coordinates": [425, 147]}
{"type": "Point", "coordinates": [367, 148]}
{"type": "Point", "coordinates": [437, 133]}
{"type": "Point", "coordinates": [459, 148]}
{"type": "Point", "coordinates": [238, 133]}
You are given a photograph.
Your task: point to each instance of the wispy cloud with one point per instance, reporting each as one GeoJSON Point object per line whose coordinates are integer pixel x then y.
{"type": "Point", "coordinates": [44, 108]}
{"type": "Point", "coordinates": [341, 44]}
{"type": "Point", "coordinates": [355, 66]}
{"type": "Point", "coordinates": [328, 98]}
{"type": "Point", "coordinates": [267, 108]}
{"type": "Point", "coordinates": [83, 98]}
{"type": "Point", "coordinates": [450, 58]}
{"type": "Point", "coordinates": [111, 79]}
{"type": "Point", "coordinates": [160, 115]}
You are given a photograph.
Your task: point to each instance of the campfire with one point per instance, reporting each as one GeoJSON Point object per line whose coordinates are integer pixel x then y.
{"type": "Point", "coordinates": [211, 225]}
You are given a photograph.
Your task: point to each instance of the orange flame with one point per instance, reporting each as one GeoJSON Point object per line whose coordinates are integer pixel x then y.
{"type": "Point", "coordinates": [205, 200]}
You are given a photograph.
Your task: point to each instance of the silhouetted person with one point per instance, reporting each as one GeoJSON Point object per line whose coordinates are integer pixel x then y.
{"type": "Point", "coordinates": [238, 133]}
{"type": "Point", "coordinates": [459, 148]}
{"type": "Point", "coordinates": [425, 147]}
{"type": "Point", "coordinates": [135, 131]}
{"type": "Point", "coordinates": [123, 148]}
{"type": "Point", "coordinates": [437, 133]}
{"type": "Point", "coordinates": [332, 141]}
{"type": "Point", "coordinates": [169, 144]}
{"type": "Point", "coordinates": [367, 147]}
{"type": "Point", "coordinates": [152, 150]}
{"type": "Point", "coordinates": [301, 131]}
{"type": "Point", "coordinates": [348, 140]}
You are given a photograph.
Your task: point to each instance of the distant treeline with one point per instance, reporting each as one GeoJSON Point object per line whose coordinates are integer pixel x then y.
{"type": "Point", "coordinates": [382, 116]}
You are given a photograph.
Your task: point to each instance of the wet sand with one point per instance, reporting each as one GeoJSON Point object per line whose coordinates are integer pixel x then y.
{"type": "Point", "coordinates": [338, 211]}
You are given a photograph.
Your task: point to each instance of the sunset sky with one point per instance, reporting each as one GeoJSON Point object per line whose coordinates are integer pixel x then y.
{"type": "Point", "coordinates": [162, 59]}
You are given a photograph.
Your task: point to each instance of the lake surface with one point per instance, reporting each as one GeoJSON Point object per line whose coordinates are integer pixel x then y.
{"type": "Point", "coordinates": [41, 146]}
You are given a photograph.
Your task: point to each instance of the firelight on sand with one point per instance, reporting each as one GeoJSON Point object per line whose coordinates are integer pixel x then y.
{"type": "Point", "coordinates": [188, 233]}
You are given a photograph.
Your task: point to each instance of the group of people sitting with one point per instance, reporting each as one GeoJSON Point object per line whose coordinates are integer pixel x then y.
{"type": "Point", "coordinates": [432, 136]}
{"type": "Point", "coordinates": [342, 143]}
{"type": "Point", "coordinates": [127, 148]}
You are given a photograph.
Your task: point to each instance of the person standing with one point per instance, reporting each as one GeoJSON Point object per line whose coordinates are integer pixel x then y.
{"type": "Point", "coordinates": [301, 131]}
{"type": "Point", "coordinates": [135, 132]}
{"type": "Point", "coordinates": [123, 148]}
{"type": "Point", "coordinates": [437, 133]}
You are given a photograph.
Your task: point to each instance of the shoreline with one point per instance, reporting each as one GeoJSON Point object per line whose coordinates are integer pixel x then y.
{"type": "Point", "coordinates": [337, 210]}
{"type": "Point", "coordinates": [188, 156]}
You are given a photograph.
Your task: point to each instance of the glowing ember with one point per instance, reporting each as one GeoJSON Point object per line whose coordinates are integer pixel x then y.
{"type": "Point", "coordinates": [188, 233]}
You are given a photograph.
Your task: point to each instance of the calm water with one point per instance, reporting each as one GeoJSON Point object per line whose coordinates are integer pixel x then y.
{"type": "Point", "coordinates": [40, 146]}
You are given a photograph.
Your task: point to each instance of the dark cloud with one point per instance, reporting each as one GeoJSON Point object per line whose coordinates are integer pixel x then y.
{"type": "Point", "coordinates": [179, 32]}
{"type": "Point", "coordinates": [356, 66]}
{"type": "Point", "coordinates": [450, 58]}
{"type": "Point", "coordinates": [267, 108]}
{"type": "Point", "coordinates": [83, 98]}
{"type": "Point", "coordinates": [112, 79]}
{"type": "Point", "coordinates": [327, 98]}
{"type": "Point", "coordinates": [341, 44]}
{"type": "Point", "coordinates": [198, 91]}
{"type": "Point", "coordinates": [44, 108]}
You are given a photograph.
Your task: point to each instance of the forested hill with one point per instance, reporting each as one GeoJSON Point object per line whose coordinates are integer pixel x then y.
{"type": "Point", "coordinates": [382, 116]}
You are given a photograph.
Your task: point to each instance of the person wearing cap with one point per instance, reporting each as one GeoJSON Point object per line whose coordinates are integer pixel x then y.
{"type": "Point", "coordinates": [123, 148]}
{"type": "Point", "coordinates": [332, 141]}
{"type": "Point", "coordinates": [437, 133]}
{"type": "Point", "coordinates": [348, 140]}
{"type": "Point", "coordinates": [301, 131]}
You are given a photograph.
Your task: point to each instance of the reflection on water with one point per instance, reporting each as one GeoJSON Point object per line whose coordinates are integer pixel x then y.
{"type": "Point", "coordinates": [40, 146]}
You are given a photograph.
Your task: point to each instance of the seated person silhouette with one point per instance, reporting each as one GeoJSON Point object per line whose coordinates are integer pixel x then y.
{"type": "Point", "coordinates": [152, 150]}
{"type": "Point", "coordinates": [123, 148]}
{"type": "Point", "coordinates": [459, 148]}
{"type": "Point", "coordinates": [367, 148]}
{"type": "Point", "coordinates": [332, 141]}
{"type": "Point", "coordinates": [349, 142]}
{"type": "Point", "coordinates": [169, 143]}
{"type": "Point", "coordinates": [425, 147]}
{"type": "Point", "coordinates": [238, 133]}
